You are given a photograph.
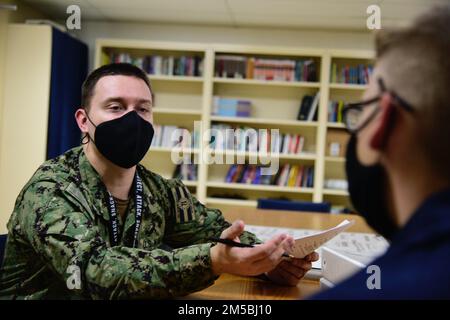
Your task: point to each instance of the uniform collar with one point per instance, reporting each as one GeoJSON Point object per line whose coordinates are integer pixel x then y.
{"type": "Point", "coordinates": [430, 222]}
{"type": "Point", "coordinates": [93, 184]}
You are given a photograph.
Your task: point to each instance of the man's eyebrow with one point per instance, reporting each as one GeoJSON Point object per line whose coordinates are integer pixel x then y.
{"type": "Point", "coordinates": [122, 100]}
{"type": "Point", "coordinates": [145, 101]}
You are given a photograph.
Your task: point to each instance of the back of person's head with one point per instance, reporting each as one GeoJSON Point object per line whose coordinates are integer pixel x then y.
{"type": "Point", "coordinates": [416, 61]}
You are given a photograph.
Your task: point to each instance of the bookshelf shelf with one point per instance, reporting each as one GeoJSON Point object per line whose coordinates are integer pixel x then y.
{"type": "Point", "coordinates": [337, 125]}
{"type": "Point", "coordinates": [265, 121]}
{"type": "Point", "coordinates": [281, 156]}
{"type": "Point", "coordinates": [154, 77]}
{"type": "Point", "coordinates": [255, 187]}
{"type": "Point", "coordinates": [169, 150]}
{"type": "Point", "coordinates": [189, 183]}
{"type": "Point", "coordinates": [348, 86]}
{"type": "Point", "coordinates": [275, 105]}
{"type": "Point", "coordinates": [335, 159]}
{"type": "Point", "coordinates": [332, 192]}
{"type": "Point", "coordinates": [176, 111]}
{"type": "Point", "coordinates": [253, 82]}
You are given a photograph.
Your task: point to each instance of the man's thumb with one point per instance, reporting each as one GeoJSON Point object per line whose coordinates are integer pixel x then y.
{"type": "Point", "coordinates": [234, 231]}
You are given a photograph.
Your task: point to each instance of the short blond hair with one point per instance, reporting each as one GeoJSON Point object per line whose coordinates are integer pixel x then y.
{"type": "Point", "coordinates": [417, 64]}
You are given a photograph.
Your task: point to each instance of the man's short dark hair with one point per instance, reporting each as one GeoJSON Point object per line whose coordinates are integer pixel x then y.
{"type": "Point", "coordinates": [418, 64]}
{"type": "Point", "coordinates": [113, 69]}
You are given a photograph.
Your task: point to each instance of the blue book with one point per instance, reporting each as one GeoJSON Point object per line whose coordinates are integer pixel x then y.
{"type": "Point", "coordinates": [231, 173]}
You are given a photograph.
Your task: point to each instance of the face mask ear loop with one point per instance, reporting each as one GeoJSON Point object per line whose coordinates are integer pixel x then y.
{"type": "Point", "coordinates": [83, 139]}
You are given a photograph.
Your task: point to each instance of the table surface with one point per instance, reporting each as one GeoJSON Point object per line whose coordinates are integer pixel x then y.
{"type": "Point", "coordinates": [230, 287]}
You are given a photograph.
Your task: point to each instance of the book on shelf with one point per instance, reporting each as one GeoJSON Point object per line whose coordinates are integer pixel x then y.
{"type": "Point", "coordinates": [247, 139]}
{"type": "Point", "coordinates": [162, 65]}
{"type": "Point", "coordinates": [231, 107]}
{"type": "Point", "coordinates": [185, 171]}
{"type": "Point", "coordinates": [358, 74]}
{"type": "Point", "coordinates": [288, 175]}
{"type": "Point", "coordinates": [173, 136]}
{"type": "Point", "coordinates": [308, 108]}
{"type": "Point", "coordinates": [335, 111]}
{"type": "Point", "coordinates": [243, 67]}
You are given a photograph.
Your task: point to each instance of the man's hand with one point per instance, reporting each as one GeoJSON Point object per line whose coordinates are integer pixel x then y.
{"type": "Point", "coordinates": [247, 261]}
{"type": "Point", "coordinates": [290, 271]}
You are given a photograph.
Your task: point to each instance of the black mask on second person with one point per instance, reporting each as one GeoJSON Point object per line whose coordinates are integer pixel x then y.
{"type": "Point", "coordinates": [124, 141]}
{"type": "Point", "coordinates": [366, 185]}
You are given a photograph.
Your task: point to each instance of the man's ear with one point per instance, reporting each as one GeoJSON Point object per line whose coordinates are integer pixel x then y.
{"type": "Point", "coordinates": [386, 121]}
{"type": "Point", "coordinates": [80, 117]}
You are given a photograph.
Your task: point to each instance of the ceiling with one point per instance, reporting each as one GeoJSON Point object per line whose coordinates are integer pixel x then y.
{"type": "Point", "coordinates": [292, 14]}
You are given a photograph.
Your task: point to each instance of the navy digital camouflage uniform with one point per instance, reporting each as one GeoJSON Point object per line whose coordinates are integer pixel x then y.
{"type": "Point", "coordinates": [60, 224]}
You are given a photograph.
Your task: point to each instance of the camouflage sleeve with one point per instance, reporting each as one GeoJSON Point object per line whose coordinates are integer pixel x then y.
{"type": "Point", "coordinates": [190, 222]}
{"type": "Point", "coordinates": [67, 240]}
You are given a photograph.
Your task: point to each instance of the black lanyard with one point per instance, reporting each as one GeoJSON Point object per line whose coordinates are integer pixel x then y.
{"type": "Point", "coordinates": [114, 221]}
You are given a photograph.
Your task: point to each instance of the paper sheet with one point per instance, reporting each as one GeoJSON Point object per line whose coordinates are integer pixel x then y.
{"type": "Point", "coordinates": [363, 247]}
{"type": "Point", "coordinates": [308, 244]}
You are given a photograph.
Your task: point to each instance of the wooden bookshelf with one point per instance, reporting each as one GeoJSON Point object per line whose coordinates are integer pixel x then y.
{"type": "Point", "coordinates": [345, 86]}
{"type": "Point", "coordinates": [181, 100]}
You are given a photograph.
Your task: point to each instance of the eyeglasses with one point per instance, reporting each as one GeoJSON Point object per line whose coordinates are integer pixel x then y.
{"type": "Point", "coordinates": [352, 112]}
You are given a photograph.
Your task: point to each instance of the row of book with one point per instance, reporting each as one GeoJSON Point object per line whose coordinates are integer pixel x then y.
{"type": "Point", "coordinates": [226, 137]}
{"type": "Point", "coordinates": [351, 74]}
{"type": "Point", "coordinates": [174, 136]}
{"type": "Point", "coordinates": [163, 65]}
{"type": "Point", "coordinates": [231, 107]}
{"type": "Point", "coordinates": [288, 175]}
{"type": "Point", "coordinates": [308, 107]}
{"type": "Point", "coordinates": [242, 67]}
{"type": "Point", "coordinates": [185, 171]}
{"type": "Point", "coordinates": [335, 111]}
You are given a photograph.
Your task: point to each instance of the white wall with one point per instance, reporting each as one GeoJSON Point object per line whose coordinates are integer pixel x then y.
{"type": "Point", "coordinates": [90, 31]}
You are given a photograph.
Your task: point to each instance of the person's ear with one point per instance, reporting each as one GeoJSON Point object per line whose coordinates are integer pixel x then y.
{"type": "Point", "coordinates": [385, 122]}
{"type": "Point", "coordinates": [81, 118]}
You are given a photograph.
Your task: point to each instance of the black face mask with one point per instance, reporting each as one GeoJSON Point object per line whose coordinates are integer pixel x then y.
{"type": "Point", "coordinates": [124, 141]}
{"type": "Point", "coordinates": [366, 185]}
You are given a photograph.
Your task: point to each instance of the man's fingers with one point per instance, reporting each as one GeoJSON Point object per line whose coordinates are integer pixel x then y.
{"type": "Point", "coordinates": [289, 278]}
{"type": "Point", "coordinates": [269, 262]}
{"type": "Point", "coordinates": [289, 244]}
{"type": "Point", "coordinates": [234, 231]}
{"type": "Point", "coordinates": [312, 257]}
{"type": "Point", "coordinates": [293, 270]}
{"type": "Point", "coordinates": [264, 250]}
{"type": "Point", "coordinates": [300, 263]}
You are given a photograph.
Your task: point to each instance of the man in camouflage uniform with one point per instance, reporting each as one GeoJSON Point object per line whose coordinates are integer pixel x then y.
{"type": "Point", "coordinates": [60, 243]}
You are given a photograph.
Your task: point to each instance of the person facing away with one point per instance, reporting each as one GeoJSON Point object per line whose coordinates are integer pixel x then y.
{"type": "Point", "coordinates": [94, 224]}
{"type": "Point", "coordinates": [398, 163]}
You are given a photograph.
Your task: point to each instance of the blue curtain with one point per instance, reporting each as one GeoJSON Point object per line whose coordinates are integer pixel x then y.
{"type": "Point", "coordinates": [69, 69]}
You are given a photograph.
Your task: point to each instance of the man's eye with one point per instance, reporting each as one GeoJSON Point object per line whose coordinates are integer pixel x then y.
{"type": "Point", "coordinates": [115, 107]}
{"type": "Point", "coordinates": [143, 109]}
